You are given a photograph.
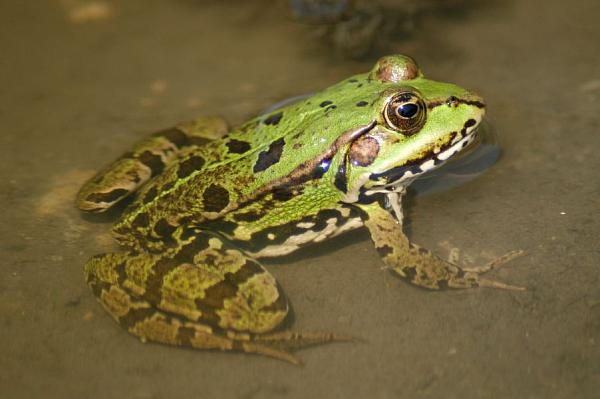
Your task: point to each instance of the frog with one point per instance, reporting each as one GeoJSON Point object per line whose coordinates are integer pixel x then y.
{"type": "Point", "coordinates": [207, 202]}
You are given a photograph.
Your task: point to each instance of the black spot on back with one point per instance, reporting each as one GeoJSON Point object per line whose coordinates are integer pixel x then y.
{"type": "Point", "coordinates": [269, 157]}
{"type": "Point", "coordinates": [189, 166]}
{"type": "Point", "coordinates": [153, 161]}
{"type": "Point", "coordinates": [175, 136]}
{"type": "Point", "coordinates": [361, 103]}
{"type": "Point", "coordinates": [215, 198]}
{"type": "Point", "coordinates": [325, 103]}
{"type": "Point", "coordinates": [273, 119]}
{"type": "Point", "coordinates": [150, 195]}
{"type": "Point", "coordinates": [237, 146]}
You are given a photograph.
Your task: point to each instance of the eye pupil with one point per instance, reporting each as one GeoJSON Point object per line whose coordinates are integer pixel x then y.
{"type": "Point", "coordinates": [405, 112]}
{"type": "Point", "coordinates": [408, 110]}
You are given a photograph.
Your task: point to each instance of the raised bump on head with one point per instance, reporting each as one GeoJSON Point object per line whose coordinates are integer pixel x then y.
{"type": "Point", "coordinates": [395, 68]}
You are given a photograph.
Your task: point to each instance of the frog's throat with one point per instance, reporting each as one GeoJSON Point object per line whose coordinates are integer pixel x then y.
{"type": "Point", "coordinates": [401, 176]}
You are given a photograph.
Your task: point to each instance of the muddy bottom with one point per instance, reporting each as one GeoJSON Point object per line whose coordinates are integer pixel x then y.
{"type": "Point", "coordinates": [82, 80]}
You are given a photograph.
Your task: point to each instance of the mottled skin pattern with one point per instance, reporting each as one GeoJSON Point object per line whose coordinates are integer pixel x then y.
{"type": "Point", "coordinates": [208, 202]}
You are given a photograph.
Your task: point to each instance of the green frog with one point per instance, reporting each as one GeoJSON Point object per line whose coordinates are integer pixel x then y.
{"type": "Point", "coordinates": [209, 201]}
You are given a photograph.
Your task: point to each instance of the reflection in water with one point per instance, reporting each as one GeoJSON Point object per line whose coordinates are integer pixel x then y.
{"type": "Point", "coordinates": [465, 166]}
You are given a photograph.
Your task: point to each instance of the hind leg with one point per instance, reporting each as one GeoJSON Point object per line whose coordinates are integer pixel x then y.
{"type": "Point", "coordinates": [146, 159]}
{"type": "Point", "coordinates": [205, 296]}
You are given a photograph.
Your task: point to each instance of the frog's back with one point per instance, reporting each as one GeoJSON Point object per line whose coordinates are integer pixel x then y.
{"type": "Point", "coordinates": [286, 147]}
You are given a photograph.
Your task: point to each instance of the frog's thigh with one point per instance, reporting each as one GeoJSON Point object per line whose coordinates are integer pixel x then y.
{"type": "Point", "coordinates": [140, 318]}
{"type": "Point", "coordinates": [147, 158]}
{"type": "Point", "coordinates": [227, 291]}
{"type": "Point", "coordinates": [416, 264]}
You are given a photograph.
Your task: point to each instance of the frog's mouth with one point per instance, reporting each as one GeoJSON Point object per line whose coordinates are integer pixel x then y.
{"type": "Point", "coordinates": [397, 178]}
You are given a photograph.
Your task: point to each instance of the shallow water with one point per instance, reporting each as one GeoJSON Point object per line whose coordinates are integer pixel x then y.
{"type": "Point", "coordinates": [81, 84]}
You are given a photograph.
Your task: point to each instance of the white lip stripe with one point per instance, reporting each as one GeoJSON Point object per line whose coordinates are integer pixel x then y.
{"type": "Point", "coordinates": [444, 155]}
{"type": "Point", "coordinates": [428, 165]}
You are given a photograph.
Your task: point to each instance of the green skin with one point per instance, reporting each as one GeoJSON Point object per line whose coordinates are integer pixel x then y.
{"type": "Point", "coordinates": [210, 201]}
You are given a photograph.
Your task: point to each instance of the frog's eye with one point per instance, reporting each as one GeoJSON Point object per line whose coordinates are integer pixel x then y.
{"type": "Point", "coordinates": [405, 112]}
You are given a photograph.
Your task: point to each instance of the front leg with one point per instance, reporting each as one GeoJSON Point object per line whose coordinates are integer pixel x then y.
{"type": "Point", "coordinates": [418, 265]}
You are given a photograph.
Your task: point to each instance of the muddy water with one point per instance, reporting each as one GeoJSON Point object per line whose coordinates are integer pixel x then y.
{"type": "Point", "coordinates": [82, 80]}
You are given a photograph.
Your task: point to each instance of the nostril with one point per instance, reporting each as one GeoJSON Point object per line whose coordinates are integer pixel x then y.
{"type": "Point", "coordinates": [452, 101]}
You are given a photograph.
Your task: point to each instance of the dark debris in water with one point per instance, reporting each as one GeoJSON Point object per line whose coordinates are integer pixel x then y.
{"type": "Point", "coordinates": [360, 28]}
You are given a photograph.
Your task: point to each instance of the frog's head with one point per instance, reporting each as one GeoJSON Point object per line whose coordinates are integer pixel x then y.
{"type": "Point", "coordinates": [418, 124]}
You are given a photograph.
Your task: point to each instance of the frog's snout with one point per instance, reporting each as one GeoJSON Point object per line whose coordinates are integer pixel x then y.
{"type": "Point", "coordinates": [478, 106]}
